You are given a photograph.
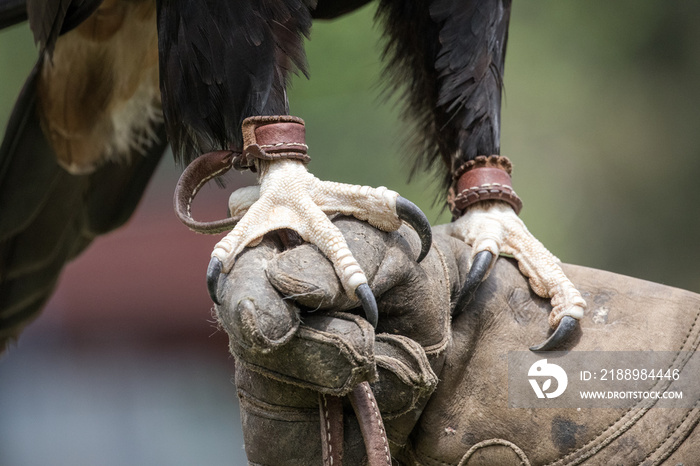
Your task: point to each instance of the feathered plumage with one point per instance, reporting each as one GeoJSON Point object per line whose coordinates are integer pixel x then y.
{"type": "Point", "coordinates": [49, 216]}
{"type": "Point", "coordinates": [222, 61]}
{"type": "Point", "coordinates": [447, 58]}
{"type": "Point", "coordinates": [48, 20]}
{"type": "Point", "coordinates": [12, 12]}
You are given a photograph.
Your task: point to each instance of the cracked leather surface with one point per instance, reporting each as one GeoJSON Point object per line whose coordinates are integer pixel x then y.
{"type": "Point", "coordinates": [439, 374]}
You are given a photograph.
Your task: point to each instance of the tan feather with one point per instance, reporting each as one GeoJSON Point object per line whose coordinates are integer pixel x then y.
{"type": "Point", "coordinates": [99, 95]}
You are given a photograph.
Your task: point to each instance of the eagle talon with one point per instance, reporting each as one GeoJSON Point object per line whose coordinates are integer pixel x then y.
{"type": "Point", "coordinates": [564, 330]}
{"type": "Point", "coordinates": [477, 274]}
{"type": "Point", "coordinates": [411, 214]}
{"type": "Point", "coordinates": [369, 304]}
{"type": "Point", "coordinates": [213, 273]}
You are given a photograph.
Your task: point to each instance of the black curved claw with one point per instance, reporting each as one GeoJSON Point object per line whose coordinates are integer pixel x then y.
{"type": "Point", "coordinates": [477, 273]}
{"type": "Point", "coordinates": [369, 304]}
{"type": "Point", "coordinates": [213, 273]}
{"type": "Point", "coordinates": [411, 214]}
{"type": "Point", "coordinates": [567, 325]}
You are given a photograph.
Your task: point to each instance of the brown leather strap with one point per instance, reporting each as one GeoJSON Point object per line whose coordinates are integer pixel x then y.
{"type": "Point", "coordinates": [484, 178]}
{"type": "Point", "coordinates": [371, 425]}
{"type": "Point", "coordinates": [265, 138]}
{"type": "Point", "coordinates": [479, 176]}
{"type": "Point", "coordinates": [331, 408]}
{"type": "Point", "coordinates": [197, 174]}
{"type": "Point", "coordinates": [272, 138]}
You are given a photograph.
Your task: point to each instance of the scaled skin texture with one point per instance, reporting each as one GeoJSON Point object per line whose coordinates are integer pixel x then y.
{"type": "Point", "coordinates": [291, 197]}
{"type": "Point", "coordinates": [495, 227]}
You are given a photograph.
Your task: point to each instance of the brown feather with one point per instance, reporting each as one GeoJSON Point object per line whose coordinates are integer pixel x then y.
{"type": "Point", "coordinates": [98, 93]}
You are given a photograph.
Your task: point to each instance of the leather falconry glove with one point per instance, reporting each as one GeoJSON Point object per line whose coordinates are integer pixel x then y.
{"type": "Point", "coordinates": [439, 374]}
{"type": "Point", "coordinates": [295, 335]}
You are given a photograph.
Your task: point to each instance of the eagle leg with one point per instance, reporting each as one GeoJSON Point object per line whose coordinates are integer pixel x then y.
{"type": "Point", "coordinates": [493, 226]}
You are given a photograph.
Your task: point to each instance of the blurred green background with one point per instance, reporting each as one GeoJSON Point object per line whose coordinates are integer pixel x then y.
{"type": "Point", "coordinates": [600, 118]}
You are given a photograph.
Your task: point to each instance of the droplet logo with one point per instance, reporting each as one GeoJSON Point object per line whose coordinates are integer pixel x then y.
{"type": "Point", "coordinates": [542, 369]}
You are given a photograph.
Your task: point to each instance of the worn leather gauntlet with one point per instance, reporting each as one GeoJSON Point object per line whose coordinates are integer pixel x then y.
{"type": "Point", "coordinates": [439, 374]}
{"type": "Point", "coordinates": [295, 336]}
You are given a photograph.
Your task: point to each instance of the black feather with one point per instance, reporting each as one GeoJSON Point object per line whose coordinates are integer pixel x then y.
{"type": "Point", "coordinates": [328, 9]}
{"type": "Point", "coordinates": [50, 18]}
{"type": "Point", "coordinates": [12, 12]}
{"type": "Point", "coordinates": [447, 57]}
{"type": "Point", "coordinates": [222, 61]}
{"type": "Point", "coordinates": [49, 216]}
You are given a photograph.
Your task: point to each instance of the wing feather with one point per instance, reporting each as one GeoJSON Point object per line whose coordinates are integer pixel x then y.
{"type": "Point", "coordinates": [12, 12]}
{"type": "Point", "coordinates": [48, 215]}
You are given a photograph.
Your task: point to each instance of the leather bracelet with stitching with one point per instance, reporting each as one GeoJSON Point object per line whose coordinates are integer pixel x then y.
{"type": "Point", "coordinates": [273, 138]}
{"type": "Point", "coordinates": [483, 178]}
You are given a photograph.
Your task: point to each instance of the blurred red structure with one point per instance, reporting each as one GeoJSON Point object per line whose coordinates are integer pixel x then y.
{"type": "Point", "coordinates": [145, 281]}
{"type": "Point", "coordinates": [125, 364]}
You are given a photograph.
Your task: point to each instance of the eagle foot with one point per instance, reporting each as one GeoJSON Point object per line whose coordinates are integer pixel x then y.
{"type": "Point", "coordinates": [492, 228]}
{"type": "Point", "coordinates": [289, 197]}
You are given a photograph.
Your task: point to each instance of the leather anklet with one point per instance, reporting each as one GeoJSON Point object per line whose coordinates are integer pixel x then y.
{"type": "Point", "coordinates": [483, 178]}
